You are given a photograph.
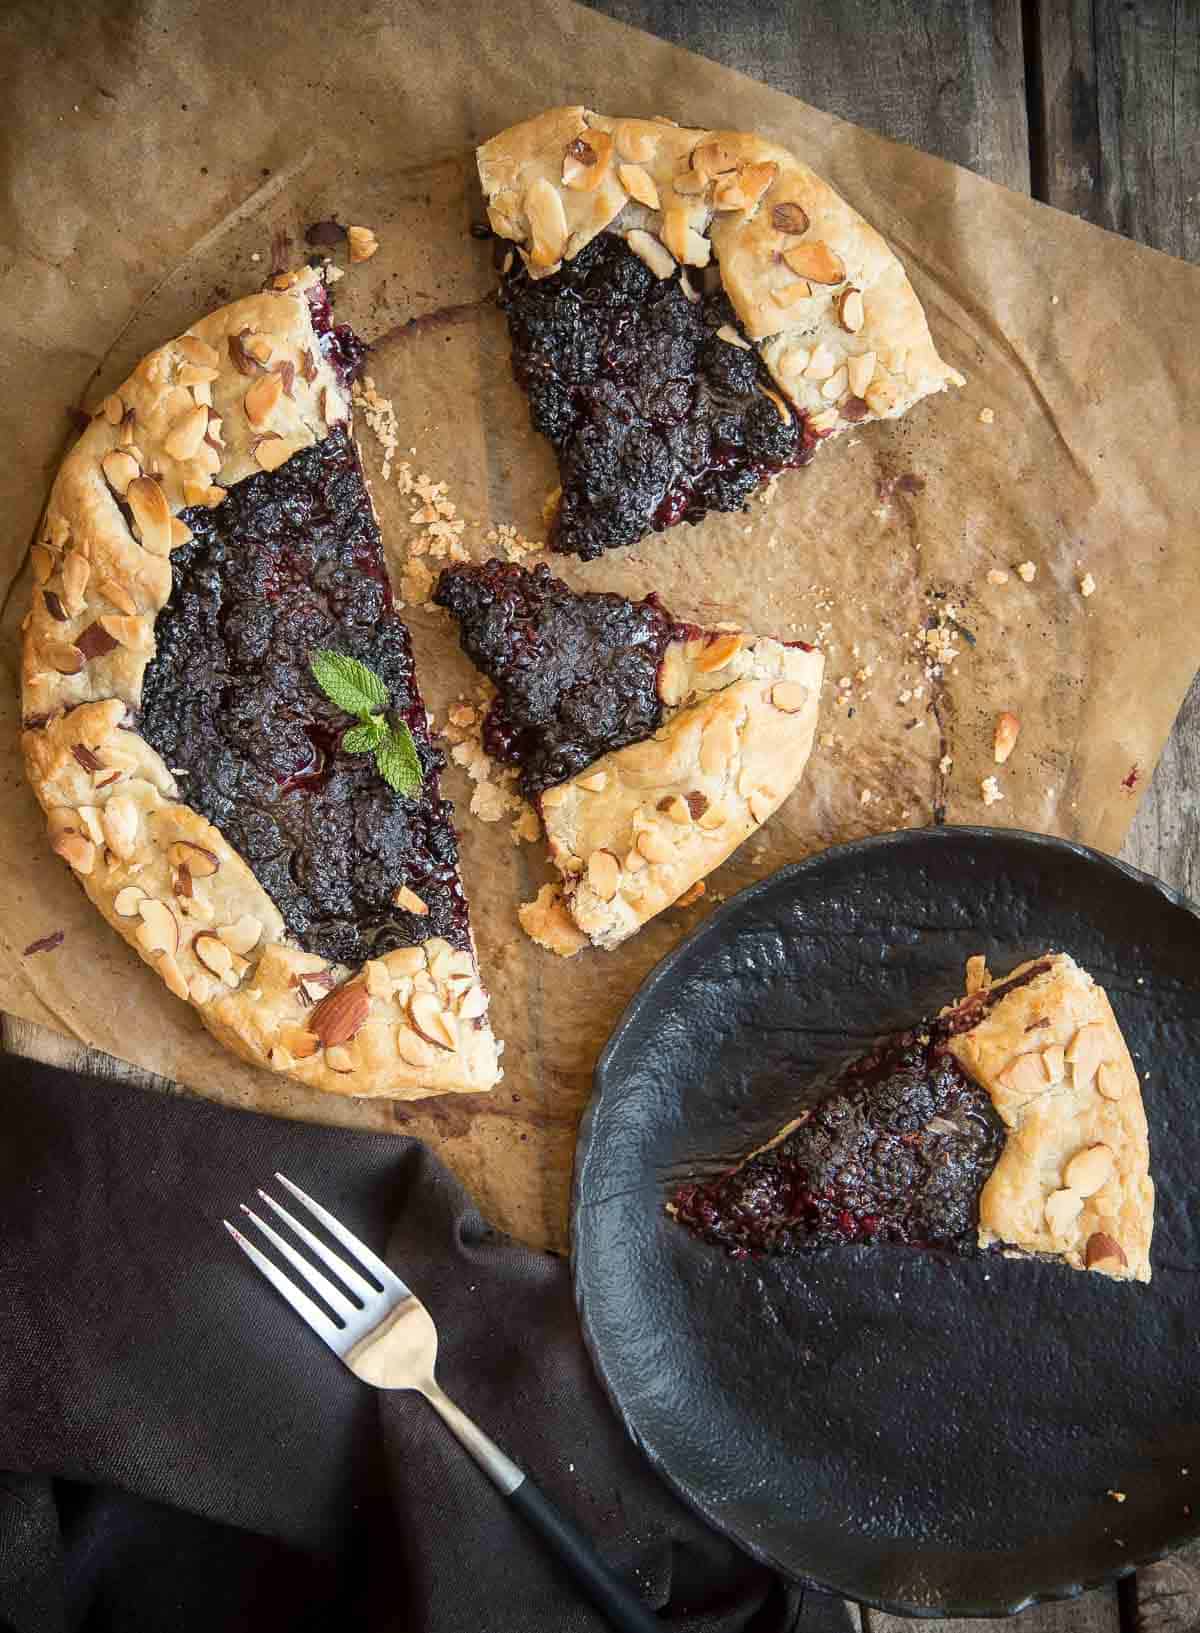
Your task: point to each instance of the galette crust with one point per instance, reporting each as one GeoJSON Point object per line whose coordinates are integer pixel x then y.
{"type": "Point", "coordinates": [641, 825]}
{"type": "Point", "coordinates": [1073, 1181]}
{"type": "Point", "coordinates": [836, 319]}
{"type": "Point", "coordinates": [162, 875]}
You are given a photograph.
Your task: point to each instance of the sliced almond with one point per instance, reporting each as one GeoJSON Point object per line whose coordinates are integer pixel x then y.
{"type": "Point", "coordinates": [185, 436]}
{"type": "Point", "coordinates": [173, 976]}
{"type": "Point", "coordinates": [649, 249]}
{"type": "Point", "coordinates": [192, 374]}
{"type": "Point", "coordinates": [113, 409]}
{"type": "Point", "coordinates": [120, 469]}
{"type": "Point", "coordinates": [1104, 1252]}
{"type": "Point", "coordinates": [682, 239]}
{"type": "Point", "coordinates": [261, 400]}
{"type": "Point", "coordinates": [654, 845]}
{"type": "Point", "coordinates": [1024, 1075]}
{"type": "Point", "coordinates": [338, 1058]}
{"type": "Point", "coordinates": [860, 371]}
{"type": "Point", "coordinates": [134, 633]}
{"type": "Point", "coordinates": [118, 595]}
{"type": "Point", "coordinates": [213, 954]}
{"type": "Point", "coordinates": [76, 850]}
{"type": "Point", "coordinates": [1061, 1210]}
{"type": "Point", "coordinates": [339, 1016]}
{"type": "Point", "coordinates": [201, 862]}
{"type": "Point", "coordinates": [1111, 1081]}
{"type": "Point", "coordinates": [690, 183]}
{"type": "Point", "coordinates": [821, 364]}
{"type": "Point", "coordinates": [1086, 1051]}
{"type": "Point", "coordinates": [259, 348]}
{"type": "Point", "coordinates": [639, 184]}
{"type": "Point", "coordinates": [119, 821]}
{"type": "Point", "coordinates": [409, 902]}
{"type": "Point", "coordinates": [713, 817]}
{"type": "Point", "coordinates": [270, 452]}
{"type": "Point", "coordinates": [714, 158]}
{"type": "Point", "coordinates": [159, 929]}
{"type": "Point", "coordinates": [473, 1003]}
{"type": "Point", "coordinates": [836, 384]}
{"type": "Point", "coordinates": [595, 782]}
{"type": "Point", "coordinates": [850, 311]}
{"type": "Point", "coordinates": [586, 161]}
{"type": "Point", "coordinates": [730, 336]}
{"type": "Point", "coordinates": [816, 262]}
{"type": "Point", "coordinates": [76, 570]}
{"type": "Point", "coordinates": [635, 862]}
{"type": "Point", "coordinates": [978, 978]}
{"type": "Point", "coordinates": [789, 696]}
{"type": "Point", "coordinates": [413, 1049]}
{"type": "Point", "coordinates": [743, 190]}
{"type": "Point", "coordinates": [198, 351]}
{"type": "Point", "coordinates": [88, 816]}
{"type": "Point", "coordinates": [718, 746]}
{"type": "Point", "coordinates": [1090, 1170]}
{"type": "Point", "coordinates": [243, 935]}
{"type": "Point", "coordinates": [547, 222]}
{"type": "Point", "coordinates": [676, 807]}
{"type": "Point", "coordinates": [1007, 729]}
{"type": "Point", "coordinates": [431, 1021]}
{"type": "Point", "coordinates": [361, 242]}
{"type": "Point", "coordinates": [603, 874]}
{"type": "Point", "coordinates": [200, 989]}
{"type": "Point", "coordinates": [125, 902]}
{"type": "Point", "coordinates": [719, 652]}
{"type": "Point", "coordinates": [151, 513]}
{"type": "Point", "coordinates": [823, 422]}
{"type": "Point", "coordinates": [632, 142]}
{"type": "Point", "coordinates": [1054, 1060]}
{"type": "Point", "coordinates": [790, 219]}
{"type": "Point", "coordinates": [762, 804]}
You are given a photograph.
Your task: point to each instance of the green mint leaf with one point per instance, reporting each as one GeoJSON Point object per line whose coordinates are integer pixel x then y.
{"type": "Point", "coordinates": [362, 739]}
{"type": "Point", "coordinates": [396, 759]}
{"type": "Point", "coordinates": [348, 683]}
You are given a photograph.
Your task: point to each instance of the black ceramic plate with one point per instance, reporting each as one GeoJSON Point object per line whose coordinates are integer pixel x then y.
{"type": "Point", "coordinates": [926, 1433]}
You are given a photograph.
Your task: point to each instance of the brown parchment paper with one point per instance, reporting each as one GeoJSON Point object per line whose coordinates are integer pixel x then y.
{"type": "Point", "coordinates": [151, 155]}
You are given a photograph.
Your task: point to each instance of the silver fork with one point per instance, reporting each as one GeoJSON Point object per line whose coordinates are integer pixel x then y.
{"type": "Point", "coordinates": [386, 1336]}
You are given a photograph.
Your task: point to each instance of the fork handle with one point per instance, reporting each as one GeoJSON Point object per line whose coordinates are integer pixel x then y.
{"type": "Point", "coordinates": [606, 1590]}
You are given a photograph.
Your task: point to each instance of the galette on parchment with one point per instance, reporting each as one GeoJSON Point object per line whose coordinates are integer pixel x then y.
{"type": "Point", "coordinates": [222, 720]}
{"type": "Point", "coordinates": [691, 312]}
{"type": "Point", "coordinates": [652, 748]}
{"type": "Point", "coordinates": [1013, 1121]}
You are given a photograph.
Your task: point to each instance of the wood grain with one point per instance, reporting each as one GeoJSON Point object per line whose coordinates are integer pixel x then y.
{"type": "Point", "coordinates": [1094, 1613]}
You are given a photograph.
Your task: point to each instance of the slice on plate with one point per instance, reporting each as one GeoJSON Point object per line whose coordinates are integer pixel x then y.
{"type": "Point", "coordinates": [691, 311]}
{"type": "Point", "coordinates": [652, 748]}
{"type": "Point", "coordinates": [1013, 1122]}
{"type": "Point", "coordinates": [207, 536]}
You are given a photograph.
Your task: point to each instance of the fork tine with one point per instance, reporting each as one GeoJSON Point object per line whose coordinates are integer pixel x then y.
{"type": "Point", "coordinates": [390, 1280]}
{"type": "Point", "coordinates": [355, 1282]}
{"type": "Point", "coordinates": [300, 1302]}
{"type": "Point", "coordinates": [332, 1295]}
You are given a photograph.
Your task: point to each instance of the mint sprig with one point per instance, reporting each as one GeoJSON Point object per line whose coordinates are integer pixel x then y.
{"type": "Point", "coordinates": [359, 691]}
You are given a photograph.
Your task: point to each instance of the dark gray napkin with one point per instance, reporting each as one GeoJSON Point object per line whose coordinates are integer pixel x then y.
{"type": "Point", "coordinates": [185, 1454]}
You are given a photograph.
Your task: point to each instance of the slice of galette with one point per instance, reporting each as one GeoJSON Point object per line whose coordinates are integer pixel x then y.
{"type": "Point", "coordinates": [1013, 1122]}
{"type": "Point", "coordinates": [274, 845]}
{"type": "Point", "coordinates": [691, 311]}
{"type": "Point", "coordinates": [652, 748]}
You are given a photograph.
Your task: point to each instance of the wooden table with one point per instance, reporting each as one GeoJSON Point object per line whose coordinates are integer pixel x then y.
{"type": "Point", "coordinates": [1090, 105]}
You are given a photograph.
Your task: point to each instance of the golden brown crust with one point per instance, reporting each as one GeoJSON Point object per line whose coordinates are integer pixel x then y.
{"type": "Point", "coordinates": [162, 875]}
{"type": "Point", "coordinates": [837, 321]}
{"type": "Point", "coordinates": [1073, 1181]}
{"type": "Point", "coordinates": [641, 825]}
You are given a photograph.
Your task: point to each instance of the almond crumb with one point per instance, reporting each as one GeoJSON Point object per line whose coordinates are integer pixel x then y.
{"type": "Point", "coordinates": [989, 790]}
{"type": "Point", "coordinates": [997, 575]}
{"type": "Point", "coordinates": [944, 764]}
{"type": "Point", "coordinates": [1007, 730]}
{"type": "Point", "coordinates": [987, 416]}
{"type": "Point", "coordinates": [1087, 585]}
{"type": "Point", "coordinates": [1117, 1496]}
{"type": "Point", "coordinates": [363, 243]}
{"type": "Point", "coordinates": [1027, 571]}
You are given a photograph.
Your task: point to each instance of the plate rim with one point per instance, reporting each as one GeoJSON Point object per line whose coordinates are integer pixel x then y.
{"type": "Point", "coordinates": [868, 845]}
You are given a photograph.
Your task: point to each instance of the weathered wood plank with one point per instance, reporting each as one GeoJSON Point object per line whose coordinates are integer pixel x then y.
{"type": "Point", "coordinates": [943, 75]}
{"type": "Point", "coordinates": [19, 1037]}
{"type": "Point", "coordinates": [1094, 1613]}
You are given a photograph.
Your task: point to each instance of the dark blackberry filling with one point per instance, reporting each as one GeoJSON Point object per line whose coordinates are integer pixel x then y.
{"type": "Point", "coordinates": [898, 1152]}
{"type": "Point", "coordinates": [339, 344]}
{"type": "Point", "coordinates": [292, 561]}
{"type": "Point", "coordinates": [577, 673]}
{"type": "Point", "coordinates": [655, 418]}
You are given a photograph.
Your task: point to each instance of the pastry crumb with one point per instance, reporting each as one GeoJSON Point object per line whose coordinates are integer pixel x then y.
{"type": "Point", "coordinates": [527, 827]}
{"type": "Point", "coordinates": [1117, 1496]}
{"type": "Point", "coordinates": [987, 416]}
{"type": "Point", "coordinates": [514, 546]}
{"type": "Point", "coordinates": [944, 764]}
{"type": "Point", "coordinates": [363, 243]}
{"type": "Point", "coordinates": [997, 575]}
{"type": "Point", "coordinates": [990, 791]}
{"type": "Point", "coordinates": [1027, 571]}
{"type": "Point", "coordinates": [1087, 585]}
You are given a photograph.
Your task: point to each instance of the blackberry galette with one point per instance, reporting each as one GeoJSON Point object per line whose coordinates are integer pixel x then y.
{"type": "Point", "coordinates": [652, 748]}
{"type": "Point", "coordinates": [691, 312]}
{"type": "Point", "coordinates": [223, 723]}
{"type": "Point", "coordinates": [1013, 1121]}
